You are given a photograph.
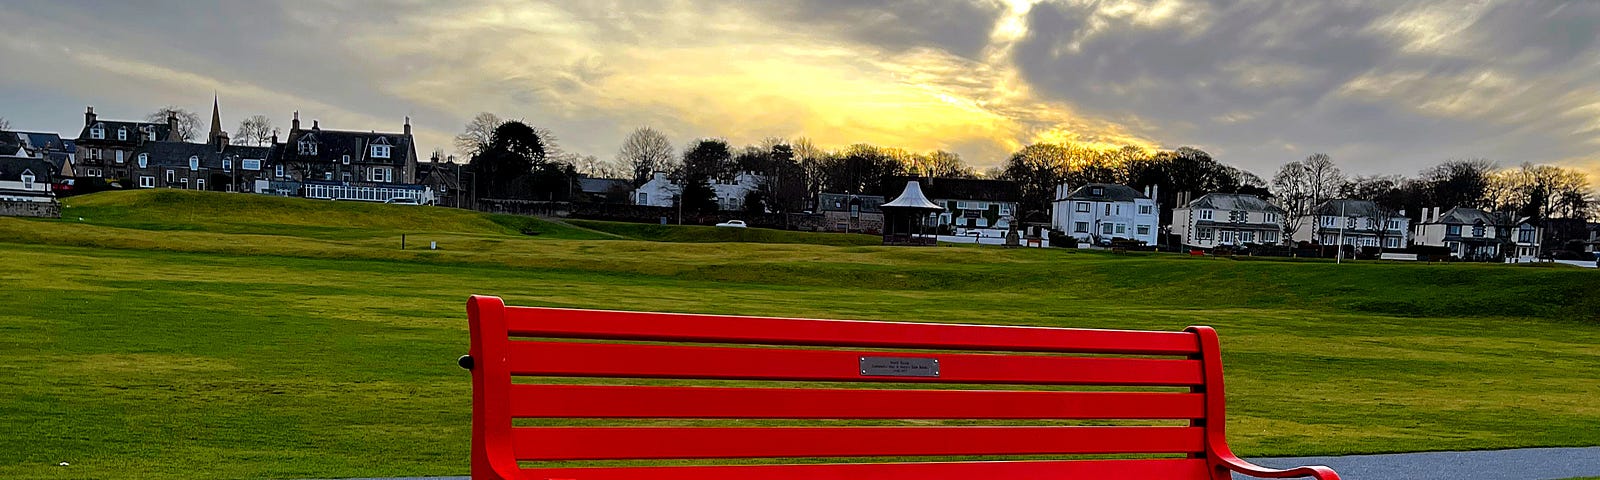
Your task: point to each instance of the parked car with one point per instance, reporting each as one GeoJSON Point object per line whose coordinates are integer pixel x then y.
{"type": "Point", "coordinates": [402, 201]}
{"type": "Point", "coordinates": [732, 224]}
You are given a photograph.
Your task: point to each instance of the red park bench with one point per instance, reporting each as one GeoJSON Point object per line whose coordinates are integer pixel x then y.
{"type": "Point", "coordinates": [701, 350]}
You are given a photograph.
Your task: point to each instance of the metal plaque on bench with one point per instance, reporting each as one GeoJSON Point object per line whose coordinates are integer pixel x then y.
{"type": "Point", "coordinates": [899, 367]}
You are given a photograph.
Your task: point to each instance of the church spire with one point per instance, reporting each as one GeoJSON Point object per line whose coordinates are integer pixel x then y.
{"type": "Point", "coordinates": [216, 121]}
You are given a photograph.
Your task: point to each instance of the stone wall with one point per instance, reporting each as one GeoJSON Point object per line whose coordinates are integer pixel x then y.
{"type": "Point", "coordinates": [11, 208]}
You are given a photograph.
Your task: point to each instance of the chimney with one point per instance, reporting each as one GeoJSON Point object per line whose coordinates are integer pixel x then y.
{"type": "Point", "coordinates": [274, 137]}
{"type": "Point", "coordinates": [89, 117]}
{"type": "Point", "coordinates": [314, 126]}
{"type": "Point", "coordinates": [408, 125]}
{"type": "Point", "coordinates": [295, 125]}
{"type": "Point", "coordinates": [172, 126]}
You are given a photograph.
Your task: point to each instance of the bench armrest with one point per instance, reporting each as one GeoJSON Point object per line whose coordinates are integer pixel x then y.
{"type": "Point", "coordinates": [1233, 463]}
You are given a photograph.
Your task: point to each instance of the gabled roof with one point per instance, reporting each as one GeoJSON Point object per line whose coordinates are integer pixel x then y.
{"type": "Point", "coordinates": [1105, 192]}
{"type": "Point", "coordinates": [135, 132]}
{"type": "Point", "coordinates": [840, 202]}
{"type": "Point", "coordinates": [334, 145]}
{"type": "Point", "coordinates": [603, 185]}
{"type": "Point", "coordinates": [1351, 208]}
{"type": "Point", "coordinates": [1467, 216]}
{"type": "Point", "coordinates": [176, 154]}
{"type": "Point", "coordinates": [1234, 201]}
{"type": "Point", "coordinates": [12, 168]}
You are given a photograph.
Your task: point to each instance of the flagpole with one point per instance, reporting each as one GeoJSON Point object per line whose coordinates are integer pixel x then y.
{"type": "Point", "coordinates": [1340, 258]}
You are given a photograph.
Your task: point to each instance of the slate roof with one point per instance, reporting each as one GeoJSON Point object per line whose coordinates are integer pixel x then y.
{"type": "Point", "coordinates": [11, 169]}
{"type": "Point", "coordinates": [1108, 192]}
{"type": "Point", "coordinates": [1467, 216]}
{"type": "Point", "coordinates": [840, 202]}
{"type": "Point", "coordinates": [55, 149]}
{"type": "Point", "coordinates": [10, 143]}
{"type": "Point", "coordinates": [603, 185]}
{"type": "Point", "coordinates": [1234, 201]}
{"type": "Point", "coordinates": [176, 154]}
{"type": "Point", "coordinates": [135, 132]}
{"type": "Point", "coordinates": [1351, 208]}
{"type": "Point", "coordinates": [333, 145]}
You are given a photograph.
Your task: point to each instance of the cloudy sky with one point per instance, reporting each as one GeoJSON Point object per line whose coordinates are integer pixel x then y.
{"type": "Point", "coordinates": [1383, 86]}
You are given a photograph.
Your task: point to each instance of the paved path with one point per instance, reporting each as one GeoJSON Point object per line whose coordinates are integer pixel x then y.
{"type": "Point", "coordinates": [1519, 464]}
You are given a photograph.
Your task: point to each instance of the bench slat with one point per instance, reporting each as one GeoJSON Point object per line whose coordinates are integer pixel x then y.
{"type": "Point", "coordinates": [1151, 469]}
{"type": "Point", "coordinates": [615, 325]}
{"type": "Point", "coordinates": [610, 443]}
{"type": "Point", "coordinates": [610, 401]}
{"type": "Point", "coordinates": [675, 361]}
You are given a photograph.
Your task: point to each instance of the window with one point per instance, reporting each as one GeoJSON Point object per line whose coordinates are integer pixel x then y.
{"type": "Point", "coordinates": [227, 164]}
{"type": "Point", "coordinates": [147, 182]}
{"type": "Point", "coordinates": [27, 179]}
{"type": "Point", "coordinates": [1391, 242]}
{"type": "Point", "coordinates": [1205, 234]}
{"type": "Point", "coordinates": [171, 177]}
{"type": "Point", "coordinates": [1144, 209]}
{"type": "Point", "coordinates": [1270, 217]}
{"type": "Point", "coordinates": [644, 198]}
{"type": "Point", "coordinates": [1453, 230]}
{"type": "Point", "coordinates": [1143, 230]}
{"type": "Point", "coordinates": [1350, 222]}
{"type": "Point", "coordinates": [122, 134]}
{"type": "Point", "coordinates": [1525, 235]}
{"type": "Point", "coordinates": [194, 163]}
{"type": "Point", "coordinates": [1080, 227]}
{"type": "Point", "coordinates": [150, 133]}
{"type": "Point", "coordinates": [308, 147]}
{"type": "Point", "coordinates": [278, 170]}
{"type": "Point", "coordinates": [120, 153]}
{"type": "Point", "coordinates": [1224, 237]}
{"type": "Point", "coordinates": [1247, 237]}
{"type": "Point", "coordinates": [1083, 207]}
{"type": "Point", "coordinates": [251, 164]}
{"type": "Point", "coordinates": [378, 151]}
{"type": "Point", "coordinates": [98, 132]}
{"type": "Point", "coordinates": [1394, 224]}
{"type": "Point", "coordinates": [1205, 214]}
{"type": "Point", "coordinates": [185, 183]}
{"type": "Point", "coordinates": [1477, 230]}
{"type": "Point", "coordinates": [1097, 191]}
{"type": "Point", "coordinates": [1236, 216]}
{"type": "Point", "coordinates": [982, 222]}
{"type": "Point", "coordinates": [346, 159]}
{"type": "Point", "coordinates": [1105, 229]}
{"type": "Point", "coordinates": [1005, 209]}
{"type": "Point", "coordinates": [1108, 209]}
{"type": "Point", "coordinates": [144, 160]}
{"type": "Point", "coordinates": [199, 184]}
{"type": "Point", "coordinates": [1122, 229]}
{"type": "Point", "coordinates": [1269, 237]}
{"type": "Point", "coordinates": [327, 175]}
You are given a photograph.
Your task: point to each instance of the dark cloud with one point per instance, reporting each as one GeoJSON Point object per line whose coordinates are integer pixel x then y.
{"type": "Point", "coordinates": [959, 27]}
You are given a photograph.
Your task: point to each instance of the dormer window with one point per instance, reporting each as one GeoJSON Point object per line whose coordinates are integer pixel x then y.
{"type": "Point", "coordinates": [150, 133]}
{"type": "Point", "coordinates": [308, 147]}
{"type": "Point", "coordinates": [27, 179]}
{"type": "Point", "coordinates": [1097, 191]}
{"type": "Point", "coordinates": [380, 151]}
{"type": "Point", "coordinates": [194, 162]}
{"type": "Point", "coordinates": [144, 160]}
{"type": "Point", "coordinates": [122, 134]}
{"type": "Point", "coordinates": [227, 164]}
{"type": "Point", "coordinates": [98, 132]}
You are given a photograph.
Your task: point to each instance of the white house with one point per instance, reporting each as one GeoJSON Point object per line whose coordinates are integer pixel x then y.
{"type": "Point", "coordinates": [1099, 212]}
{"type": "Point", "coordinates": [660, 191]}
{"type": "Point", "coordinates": [1361, 223]}
{"type": "Point", "coordinates": [25, 179]}
{"type": "Point", "coordinates": [1218, 219]}
{"type": "Point", "coordinates": [1470, 233]}
{"type": "Point", "coordinates": [1524, 241]}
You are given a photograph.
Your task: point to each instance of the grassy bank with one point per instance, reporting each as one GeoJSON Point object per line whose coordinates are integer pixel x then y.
{"type": "Point", "coordinates": [139, 345]}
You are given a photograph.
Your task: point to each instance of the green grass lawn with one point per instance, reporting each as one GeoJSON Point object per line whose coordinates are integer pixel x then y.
{"type": "Point", "coordinates": [189, 335]}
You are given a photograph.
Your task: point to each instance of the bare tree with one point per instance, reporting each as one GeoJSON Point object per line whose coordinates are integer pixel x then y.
{"type": "Point", "coordinates": [188, 122]}
{"type": "Point", "coordinates": [1322, 177]}
{"type": "Point", "coordinates": [5, 124]}
{"type": "Point", "coordinates": [1290, 185]}
{"type": "Point", "coordinates": [475, 138]}
{"type": "Point", "coordinates": [254, 131]}
{"type": "Point", "coordinates": [645, 152]}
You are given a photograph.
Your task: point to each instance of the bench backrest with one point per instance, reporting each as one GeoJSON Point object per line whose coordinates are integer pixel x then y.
{"type": "Point", "coordinates": [990, 374]}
